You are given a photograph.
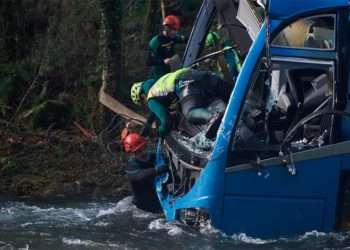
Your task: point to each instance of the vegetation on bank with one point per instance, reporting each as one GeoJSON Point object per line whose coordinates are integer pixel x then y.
{"type": "Point", "coordinates": [53, 54]}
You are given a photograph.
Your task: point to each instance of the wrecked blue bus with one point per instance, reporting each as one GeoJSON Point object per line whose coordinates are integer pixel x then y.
{"type": "Point", "coordinates": [280, 162]}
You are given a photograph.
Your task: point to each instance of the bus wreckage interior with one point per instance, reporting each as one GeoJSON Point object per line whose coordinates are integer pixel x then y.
{"type": "Point", "coordinates": [289, 105]}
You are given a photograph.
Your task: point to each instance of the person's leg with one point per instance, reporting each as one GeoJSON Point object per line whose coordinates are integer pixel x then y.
{"type": "Point", "coordinates": [205, 114]}
{"type": "Point", "coordinates": [162, 114]}
{"type": "Point", "coordinates": [216, 87]}
{"type": "Point", "coordinates": [216, 106]}
{"type": "Point", "coordinates": [199, 115]}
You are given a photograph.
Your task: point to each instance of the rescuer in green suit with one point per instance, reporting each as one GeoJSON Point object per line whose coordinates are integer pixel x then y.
{"type": "Point", "coordinates": [231, 59]}
{"type": "Point", "coordinates": [161, 47]}
{"type": "Point", "coordinates": [158, 97]}
{"type": "Point", "coordinates": [194, 89]}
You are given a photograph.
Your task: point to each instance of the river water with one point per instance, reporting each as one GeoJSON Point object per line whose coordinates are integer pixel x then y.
{"type": "Point", "coordinates": [120, 225]}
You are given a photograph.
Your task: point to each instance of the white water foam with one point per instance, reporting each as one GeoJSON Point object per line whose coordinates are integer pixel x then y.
{"type": "Point", "coordinates": [27, 224]}
{"type": "Point", "coordinates": [207, 229]}
{"type": "Point", "coordinates": [250, 240]}
{"type": "Point", "coordinates": [24, 248]}
{"type": "Point", "coordinates": [102, 224]}
{"type": "Point", "coordinates": [124, 247]}
{"type": "Point", "coordinates": [36, 209]}
{"type": "Point", "coordinates": [9, 211]}
{"type": "Point", "coordinates": [124, 205]}
{"type": "Point", "coordinates": [312, 234]}
{"type": "Point", "coordinates": [308, 235]}
{"type": "Point", "coordinates": [80, 242]}
{"type": "Point", "coordinates": [141, 214]}
{"type": "Point", "coordinates": [5, 246]}
{"type": "Point", "coordinates": [81, 215]}
{"type": "Point", "coordinates": [339, 237]}
{"type": "Point", "coordinates": [162, 224]}
{"type": "Point", "coordinates": [90, 243]}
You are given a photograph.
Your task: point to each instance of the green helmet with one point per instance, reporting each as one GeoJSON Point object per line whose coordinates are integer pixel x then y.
{"type": "Point", "coordinates": [135, 93]}
{"type": "Point", "coordinates": [212, 38]}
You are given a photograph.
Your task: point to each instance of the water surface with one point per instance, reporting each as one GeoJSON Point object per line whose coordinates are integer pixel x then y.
{"type": "Point", "coordinates": [108, 225]}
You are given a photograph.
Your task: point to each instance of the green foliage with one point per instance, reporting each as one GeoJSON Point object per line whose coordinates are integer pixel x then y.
{"type": "Point", "coordinates": [10, 166]}
{"type": "Point", "coordinates": [14, 78]}
{"type": "Point", "coordinates": [56, 44]}
{"type": "Point", "coordinates": [86, 106]}
{"type": "Point", "coordinates": [52, 112]}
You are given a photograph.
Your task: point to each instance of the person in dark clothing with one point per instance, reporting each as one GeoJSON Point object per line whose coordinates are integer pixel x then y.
{"type": "Point", "coordinates": [141, 171]}
{"type": "Point", "coordinates": [161, 47]}
{"type": "Point", "coordinates": [202, 96]}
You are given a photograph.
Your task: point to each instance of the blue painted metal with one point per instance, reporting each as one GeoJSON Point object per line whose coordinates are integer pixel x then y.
{"type": "Point", "coordinates": [208, 192]}
{"type": "Point", "coordinates": [303, 53]}
{"type": "Point", "coordinates": [283, 204]}
{"type": "Point", "coordinates": [273, 203]}
{"type": "Point", "coordinates": [345, 128]}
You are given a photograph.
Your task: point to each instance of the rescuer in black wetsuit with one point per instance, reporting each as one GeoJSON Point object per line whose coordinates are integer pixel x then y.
{"type": "Point", "coordinates": [141, 172]}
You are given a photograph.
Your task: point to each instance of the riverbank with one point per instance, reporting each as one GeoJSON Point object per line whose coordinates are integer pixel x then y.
{"type": "Point", "coordinates": [59, 164]}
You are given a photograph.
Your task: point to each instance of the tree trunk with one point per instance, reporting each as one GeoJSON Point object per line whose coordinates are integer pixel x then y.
{"type": "Point", "coordinates": [111, 16]}
{"type": "Point", "coordinates": [12, 28]}
{"type": "Point", "coordinates": [151, 18]}
{"type": "Point", "coordinates": [162, 5]}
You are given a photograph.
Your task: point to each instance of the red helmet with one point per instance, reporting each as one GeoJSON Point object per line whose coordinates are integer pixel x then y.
{"type": "Point", "coordinates": [133, 142]}
{"type": "Point", "coordinates": [172, 21]}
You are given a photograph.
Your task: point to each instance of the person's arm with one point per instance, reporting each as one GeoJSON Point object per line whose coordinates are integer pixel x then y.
{"type": "Point", "coordinates": [154, 58]}
{"type": "Point", "coordinates": [136, 173]}
{"type": "Point", "coordinates": [179, 38]}
{"type": "Point", "coordinates": [141, 174]}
